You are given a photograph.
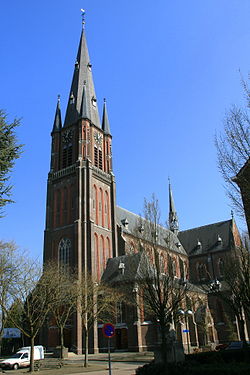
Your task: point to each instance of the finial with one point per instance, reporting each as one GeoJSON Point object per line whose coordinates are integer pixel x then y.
{"type": "Point", "coordinates": [232, 214]}
{"type": "Point", "coordinates": [58, 98]}
{"type": "Point", "coordinates": [104, 99]}
{"type": "Point", "coordinates": [83, 17]}
{"type": "Point", "coordinates": [168, 180]}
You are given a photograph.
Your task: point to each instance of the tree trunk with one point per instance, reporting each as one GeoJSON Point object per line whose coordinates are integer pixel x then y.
{"type": "Point", "coordinates": [163, 344]}
{"type": "Point", "coordinates": [242, 331]}
{"type": "Point", "coordinates": [86, 357]}
{"type": "Point", "coordinates": [61, 342]}
{"type": "Point", "coordinates": [32, 341]}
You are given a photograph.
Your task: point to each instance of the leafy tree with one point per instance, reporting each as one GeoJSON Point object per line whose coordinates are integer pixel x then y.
{"type": "Point", "coordinates": [10, 150]}
{"type": "Point", "coordinates": [10, 260]}
{"type": "Point", "coordinates": [233, 148]}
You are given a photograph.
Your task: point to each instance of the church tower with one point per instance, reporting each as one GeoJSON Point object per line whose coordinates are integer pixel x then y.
{"type": "Point", "coordinates": [80, 212]}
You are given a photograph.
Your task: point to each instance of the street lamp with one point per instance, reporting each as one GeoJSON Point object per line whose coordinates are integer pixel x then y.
{"type": "Point", "coordinates": [186, 314]}
{"type": "Point", "coordinates": [215, 286]}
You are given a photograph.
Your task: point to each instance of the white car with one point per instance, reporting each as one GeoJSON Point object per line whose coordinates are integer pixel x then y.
{"type": "Point", "coordinates": [22, 358]}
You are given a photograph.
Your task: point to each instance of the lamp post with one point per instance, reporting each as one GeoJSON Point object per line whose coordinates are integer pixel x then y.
{"type": "Point", "coordinates": [186, 314]}
{"type": "Point", "coordinates": [215, 286]}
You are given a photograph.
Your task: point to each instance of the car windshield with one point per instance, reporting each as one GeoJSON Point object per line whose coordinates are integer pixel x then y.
{"type": "Point", "coordinates": [17, 355]}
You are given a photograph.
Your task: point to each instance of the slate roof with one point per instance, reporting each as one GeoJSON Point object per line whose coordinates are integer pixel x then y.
{"type": "Point", "coordinates": [58, 120]}
{"type": "Point", "coordinates": [82, 75]}
{"type": "Point", "coordinates": [212, 237]}
{"type": "Point", "coordinates": [132, 271]}
{"type": "Point", "coordinates": [130, 223]}
{"type": "Point", "coordinates": [105, 120]}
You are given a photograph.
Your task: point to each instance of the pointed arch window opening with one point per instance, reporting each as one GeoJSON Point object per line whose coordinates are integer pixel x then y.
{"type": "Point", "coordinates": [98, 161]}
{"type": "Point", "coordinates": [221, 267]}
{"type": "Point", "coordinates": [58, 207]}
{"type": "Point", "coordinates": [64, 250]}
{"type": "Point", "coordinates": [67, 157]}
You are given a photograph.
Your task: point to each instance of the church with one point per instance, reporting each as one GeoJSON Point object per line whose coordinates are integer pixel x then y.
{"type": "Point", "coordinates": [87, 230]}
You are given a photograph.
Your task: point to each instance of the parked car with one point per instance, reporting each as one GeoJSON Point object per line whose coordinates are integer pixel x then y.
{"type": "Point", "coordinates": [221, 347]}
{"type": "Point", "coordinates": [22, 358]}
{"type": "Point", "coordinates": [236, 345]}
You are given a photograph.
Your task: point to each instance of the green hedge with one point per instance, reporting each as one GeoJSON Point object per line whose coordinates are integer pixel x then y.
{"type": "Point", "coordinates": [224, 356]}
{"type": "Point", "coordinates": [189, 368]}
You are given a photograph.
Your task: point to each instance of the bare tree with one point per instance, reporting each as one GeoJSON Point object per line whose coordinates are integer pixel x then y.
{"type": "Point", "coordinates": [233, 148]}
{"type": "Point", "coordinates": [235, 287]}
{"type": "Point", "coordinates": [97, 303]}
{"type": "Point", "coordinates": [64, 291]}
{"type": "Point", "coordinates": [160, 293]}
{"type": "Point", "coordinates": [32, 294]}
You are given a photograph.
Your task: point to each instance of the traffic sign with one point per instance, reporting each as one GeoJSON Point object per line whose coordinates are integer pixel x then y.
{"type": "Point", "coordinates": [108, 330]}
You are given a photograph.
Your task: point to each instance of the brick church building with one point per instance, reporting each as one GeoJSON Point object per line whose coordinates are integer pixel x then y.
{"type": "Point", "coordinates": [87, 230]}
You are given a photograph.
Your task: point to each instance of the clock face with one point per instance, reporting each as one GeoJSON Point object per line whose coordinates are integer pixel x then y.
{"type": "Point", "coordinates": [98, 138]}
{"type": "Point", "coordinates": [67, 136]}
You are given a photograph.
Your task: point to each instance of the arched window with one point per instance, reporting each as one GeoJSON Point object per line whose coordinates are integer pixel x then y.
{"type": "Point", "coordinates": [174, 267]}
{"type": "Point", "coordinates": [101, 210]}
{"type": "Point", "coordinates": [58, 207]}
{"type": "Point", "coordinates": [64, 250]}
{"type": "Point", "coordinates": [107, 211]}
{"type": "Point", "coordinates": [95, 205]}
{"type": "Point", "coordinates": [201, 271]}
{"type": "Point", "coordinates": [65, 205]}
{"type": "Point", "coordinates": [96, 156]}
{"type": "Point", "coordinates": [97, 256]}
{"type": "Point", "coordinates": [108, 248]}
{"type": "Point", "coordinates": [102, 254]}
{"type": "Point", "coordinates": [182, 270]}
{"type": "Point", "coordinates": [221, 267]}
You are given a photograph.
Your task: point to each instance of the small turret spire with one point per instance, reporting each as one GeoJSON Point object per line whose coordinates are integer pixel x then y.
{"type": "Point", "coordinates": [173, 218]}
{"type": "Point", "coordinates": [84, 113]}
{"type": "Point", "coordinates": [58, 119]}
{"type": "Point", "coordinates": [105, 120]}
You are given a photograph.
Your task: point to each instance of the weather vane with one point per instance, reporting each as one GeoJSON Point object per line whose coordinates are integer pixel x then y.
{"type": "Point", "coordinates": [83, 17]}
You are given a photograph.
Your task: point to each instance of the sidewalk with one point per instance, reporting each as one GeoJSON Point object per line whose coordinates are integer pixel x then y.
{"type": "Point", "coordinates": [122, 363]}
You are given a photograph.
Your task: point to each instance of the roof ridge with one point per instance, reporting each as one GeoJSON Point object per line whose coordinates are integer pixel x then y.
{"type": "Point", "coordinates": [207, 225]}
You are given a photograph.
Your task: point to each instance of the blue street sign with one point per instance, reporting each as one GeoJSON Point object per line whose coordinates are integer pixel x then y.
{"type": "Point", "coordinates": [185, 330]}
{"type": "Point", "coordinates": [108, 330]}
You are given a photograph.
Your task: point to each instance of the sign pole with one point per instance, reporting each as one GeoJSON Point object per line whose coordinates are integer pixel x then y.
{"type": "Point", "coordinates": [108, 331]}
{"type": "Point", "coordinates": [109, 356]}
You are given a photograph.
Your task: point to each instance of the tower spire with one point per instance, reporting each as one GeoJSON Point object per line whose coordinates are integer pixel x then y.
{"type": "Point", "coordinates": [82, 73]}
{"type": "Point", "coordinates": [105, 120]}
{"type": "Point", "coordinates": [173, 218]}
{"type": "Point", "coordinates": [57, 126]}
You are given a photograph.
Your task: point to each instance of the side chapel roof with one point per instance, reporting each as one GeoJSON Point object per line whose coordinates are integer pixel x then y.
{"type": "Point", "coordinates": [208, 238]}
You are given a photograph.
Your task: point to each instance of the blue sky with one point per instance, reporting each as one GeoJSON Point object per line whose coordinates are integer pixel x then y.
{"type": "Point", "coordinates": [168, 69]}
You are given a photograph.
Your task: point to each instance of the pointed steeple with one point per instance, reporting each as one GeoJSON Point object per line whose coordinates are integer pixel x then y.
{"type": "Point", "coordinates": [173, 218]}
{"type": "Point", "coordinates": [82, 73]}
{"type": "Point", "coordinates": [58, 119]}
{"type": "Point", "coordinates": [105, 120]}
